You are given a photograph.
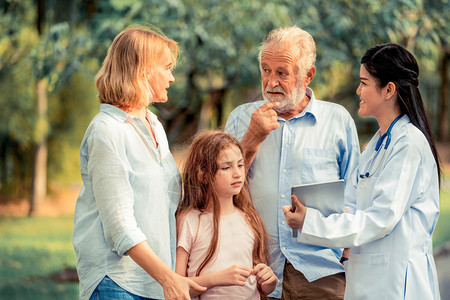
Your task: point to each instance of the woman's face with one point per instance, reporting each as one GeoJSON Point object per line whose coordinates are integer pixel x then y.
{"type": "Point", "coordinates": [162, 77]}
{"type": "Point", "coordinates": [370, 94]}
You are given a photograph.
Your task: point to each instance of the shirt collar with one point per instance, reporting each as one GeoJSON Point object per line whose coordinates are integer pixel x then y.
{"type": "Point", "coordinates": [311, 108]}
{"type": "Point", "coordinates": [114, 111]}
{"type": "Point", "coordinates": [120, 115]}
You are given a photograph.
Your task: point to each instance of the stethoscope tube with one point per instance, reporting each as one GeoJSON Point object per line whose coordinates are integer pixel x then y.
{"type": "Point", "coordinates": [386, 135]}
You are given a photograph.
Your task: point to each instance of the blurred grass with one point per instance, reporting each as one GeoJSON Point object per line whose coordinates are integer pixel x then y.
{"type": "Point", "coordinates": [32, 250]}
{"type": "Point", "coordinates": [441, 234]}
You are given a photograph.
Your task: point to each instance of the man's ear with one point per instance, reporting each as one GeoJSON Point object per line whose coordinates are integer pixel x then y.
{"type": "Point", "coordinates": [391, 90]}
{"type": "Point", "coordinates": [310, 75]}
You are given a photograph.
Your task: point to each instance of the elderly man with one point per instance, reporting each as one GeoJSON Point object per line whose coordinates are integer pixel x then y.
{"type": "Point", "coordinates": [293, 138]}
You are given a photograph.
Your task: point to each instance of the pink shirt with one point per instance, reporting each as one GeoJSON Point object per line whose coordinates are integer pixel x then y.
{"type": "Point", "coordinates": [235, 247]}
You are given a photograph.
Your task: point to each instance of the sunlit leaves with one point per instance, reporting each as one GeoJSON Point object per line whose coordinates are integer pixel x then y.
{"type": "Point", "coordinates": [219, 42]}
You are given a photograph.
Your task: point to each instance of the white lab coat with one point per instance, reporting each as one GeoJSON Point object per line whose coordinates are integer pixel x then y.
{"type": "Point", "coordinates": [390, 222]}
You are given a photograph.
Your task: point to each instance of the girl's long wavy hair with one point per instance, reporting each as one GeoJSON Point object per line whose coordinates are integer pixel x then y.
{"type": "Point", "coordinates": [198, 177]}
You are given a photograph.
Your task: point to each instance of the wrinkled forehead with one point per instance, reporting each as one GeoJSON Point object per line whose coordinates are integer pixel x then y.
{"type": "Point", "coordinates": [280, 55]}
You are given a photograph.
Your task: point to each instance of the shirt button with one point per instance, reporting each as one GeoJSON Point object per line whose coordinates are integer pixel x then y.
{"type": "Point", "coordinates": [284, 170]}
{"type": "Point", "coordinates": [287, 122]}
{"type": "Point", "coordinates": [287, 145]}
{"type": "Point", "coordinates": [283, 222]}
{"type": "Point", "coordinates": [284, 248]}
{"type": "Point", "coordinates": [363, 184]}
{"type": "Point", "coordinates": [283, 196]}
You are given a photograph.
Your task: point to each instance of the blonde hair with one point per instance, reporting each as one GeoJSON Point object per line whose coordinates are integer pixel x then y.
{"type": "Point", "coordinates": [122, 81]}
{"type": "Point", "coordinates": [293, 37]}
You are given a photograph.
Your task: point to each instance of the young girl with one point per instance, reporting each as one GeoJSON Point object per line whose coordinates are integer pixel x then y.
{"type": "Point", "coordinates": [221, 238]}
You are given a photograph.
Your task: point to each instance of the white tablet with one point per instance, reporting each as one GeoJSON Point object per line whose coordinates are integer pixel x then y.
{"type": "Point", "coordinates": [327, 197]}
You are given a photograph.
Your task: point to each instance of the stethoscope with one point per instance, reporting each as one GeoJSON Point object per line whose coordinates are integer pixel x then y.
{"type": "Point", "coordinates": [386, 135]}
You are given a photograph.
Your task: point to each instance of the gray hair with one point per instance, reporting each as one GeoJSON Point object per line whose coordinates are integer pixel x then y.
{"type": "Point", "coordinates": [293, 37]}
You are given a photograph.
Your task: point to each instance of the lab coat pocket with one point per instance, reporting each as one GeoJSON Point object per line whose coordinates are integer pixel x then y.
{"type": "Point", "coordinates": [367, 276]}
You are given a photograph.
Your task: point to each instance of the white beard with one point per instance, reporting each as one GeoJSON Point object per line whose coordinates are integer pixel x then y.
{"type": "Point", "coordinates": [290, 101]}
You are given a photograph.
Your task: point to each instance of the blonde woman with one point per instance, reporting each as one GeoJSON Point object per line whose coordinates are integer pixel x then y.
{"type": "Point", "coordinates": [124, 229]}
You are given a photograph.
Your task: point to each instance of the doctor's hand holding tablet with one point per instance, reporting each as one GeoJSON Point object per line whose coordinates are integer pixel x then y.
{"type": "Point", "coordinates": [295, 213]}
{"type": "Point", "coordinates": [327, 197]}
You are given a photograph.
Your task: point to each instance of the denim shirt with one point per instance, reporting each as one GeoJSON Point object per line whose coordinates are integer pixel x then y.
{"type": "Point", "coordinates": [320, 144]}
{"type": "Point", "coordinates": [130, 192]}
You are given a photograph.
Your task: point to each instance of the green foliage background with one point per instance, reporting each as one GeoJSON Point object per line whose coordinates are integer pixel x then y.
{"type": "Point", "coordinates": [64, 43]}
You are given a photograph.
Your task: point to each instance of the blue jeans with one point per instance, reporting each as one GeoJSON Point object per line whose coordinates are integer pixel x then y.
{"type": "Point", "coordinates": [109, 290]}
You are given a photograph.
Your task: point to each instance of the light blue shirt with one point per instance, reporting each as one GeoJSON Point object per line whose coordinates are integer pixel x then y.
{"type": "Point", "coordinates": [390, 233]}
{"type": "Point", "coordinates": [130, 192]}
{"type": "Point", "coordinates": [320, 144]}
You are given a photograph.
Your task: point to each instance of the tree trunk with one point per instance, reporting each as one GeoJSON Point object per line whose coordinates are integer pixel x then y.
{"type": "Point", "coordinates": [443, 134]}
{"type": "Point", "coordinates": [206, 114]}
{"type": "Point", "coordinates": [39, 179]}
{"type": "Point", "coordinates": [211, 111]}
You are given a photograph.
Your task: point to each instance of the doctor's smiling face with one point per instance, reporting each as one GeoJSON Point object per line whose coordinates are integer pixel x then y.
{"type": "Point", "coordinates": [371, 96]}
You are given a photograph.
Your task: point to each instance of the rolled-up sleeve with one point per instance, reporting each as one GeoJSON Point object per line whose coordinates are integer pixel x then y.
{"type": "Point", "coordinates": [114, 195]}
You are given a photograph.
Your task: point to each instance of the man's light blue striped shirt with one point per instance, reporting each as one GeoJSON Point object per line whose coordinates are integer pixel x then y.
{"type": "Point", "coordinates": [320, 144]}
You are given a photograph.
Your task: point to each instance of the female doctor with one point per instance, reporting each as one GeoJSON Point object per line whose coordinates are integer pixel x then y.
{"type": "Point", "coordinates": [393, 202]}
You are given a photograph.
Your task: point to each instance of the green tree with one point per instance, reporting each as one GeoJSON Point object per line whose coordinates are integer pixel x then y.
{"type": "Point", "coordinates": [219, 42]}
{"type": "Point", "coordinates": [50, 49]}
{"type": "Point", "coordinates": [17, 113]}
{"type": "Point", "coordinates": [345, 29]}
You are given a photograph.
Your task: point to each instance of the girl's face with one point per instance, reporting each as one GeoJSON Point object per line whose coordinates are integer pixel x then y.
{"type": "Point", "coordinates": [372, 101]}
{"type": "Point", "coordinates": [230, 176]}
{"type": "Point", "coordinates": [162, 77]}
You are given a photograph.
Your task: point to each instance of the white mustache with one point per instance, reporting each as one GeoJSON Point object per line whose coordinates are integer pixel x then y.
{"type": "Point", "coordinates": [277, 89]}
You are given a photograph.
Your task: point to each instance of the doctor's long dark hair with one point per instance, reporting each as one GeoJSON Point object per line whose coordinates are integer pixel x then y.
{"type": "Point", "coordinates": [394, 63]}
